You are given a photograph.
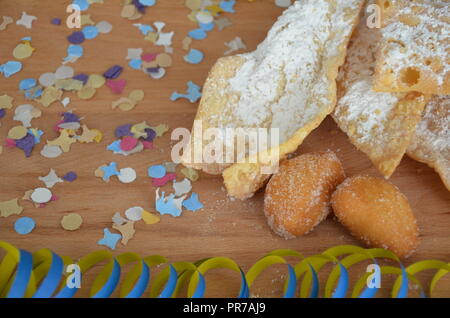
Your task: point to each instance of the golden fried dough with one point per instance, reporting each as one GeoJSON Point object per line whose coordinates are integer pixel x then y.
{"type": "Point", "coordinates": [297, 197]}
{"type": "Point", "coordinates": [431, 142]}
{"type": "Point", "coordinates": [415, 49]}
{"type": "Point", "coordinates": [288, 83]}
{"type": "Point", "coordinates": [380, 124]}
{"type": "Point", "coordinates": [376, 212]}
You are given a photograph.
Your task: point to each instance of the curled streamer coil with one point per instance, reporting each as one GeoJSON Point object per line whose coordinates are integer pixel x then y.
{"type": "Point", "coordinates": [42, 274]}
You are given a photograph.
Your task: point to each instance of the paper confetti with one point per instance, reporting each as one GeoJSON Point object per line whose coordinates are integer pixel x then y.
{"type": "Point", "coordinates": [71, 222]}
{"type": "Point", "coordinates": [168, 205]}
{"type": "Point", "coordinates": [235, 45]}
{"type": "Point", "coordinates": [182, 187]}
{"type": "Point", "coordinates": [193, 203]}
{"type": "Point", "coordinates": [51, 179]}
{"type": "Point", "coordinates": [109, 239]}
{"type": "Point", "coordinates": [118, 219]}
{"type": "Point", "coordinates": [134, 213]}
{"type": "Point", "coordinates": [190, 173]}
{"type": "Point", "coordinates": [150, 218]}
{"type": "Point", "coordinates": [26, 20]}
{"type": "Point", "coordinates": [127, 175]}
{"type": "Point", "coordinates": [193, 93]}
{"type": "Point", "coordinates": [126, 230]}
{"type": "Point", "coordinates": [157, 171]}
{"type": "Point", "coordinates": [24, 225]}
{"type": "Point", "coordinates": [11, 207]}
{"type": "Point", "coordinates": [41, 195]}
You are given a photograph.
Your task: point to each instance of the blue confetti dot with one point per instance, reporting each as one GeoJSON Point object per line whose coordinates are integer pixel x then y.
{"type": "Point", "coordinates": [197, 34]}
{"type": "Point", "coordinates": [227, 6]}
{"type": "Point", "coordinates": [10, 68]}
{"type": "Point", "coordinates": [194, 56]}
{"type": "Point", "coordinates": [27, 83]}
{"type": "Point", "coordinates": [135, 64]}
{"type": "Point", "coordinates": [83, 4]}
{"type": "Point", "coordinates": [157, 171]}
{"type": "Point", "coordinates": [206, 26]}
{"type": "Point", "coordinates": [147, 3]}
{"type": "Point", "coordinates": [24, 225]}
{"type": "Point", "coordinates": [145, 28]}
{"type": "Point", "coordinates": [75, 50]}
{"type": "Point", "coordinates": [90, 32]}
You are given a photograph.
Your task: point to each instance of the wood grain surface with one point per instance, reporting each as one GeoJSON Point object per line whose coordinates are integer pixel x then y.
{"type": "Point", "coordinates": [225, 227]}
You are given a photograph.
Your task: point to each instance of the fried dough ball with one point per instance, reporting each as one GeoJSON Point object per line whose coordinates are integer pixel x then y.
{"type": "Point", "coordinates": [375, 211]}
{"type": "Point", "coordinates": [297, 197]}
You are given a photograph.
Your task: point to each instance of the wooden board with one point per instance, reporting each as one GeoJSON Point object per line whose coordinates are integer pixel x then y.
{"type": "Point", "coordinates": [224, 227]}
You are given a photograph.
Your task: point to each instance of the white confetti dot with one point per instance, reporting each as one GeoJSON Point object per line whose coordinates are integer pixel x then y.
{"type": "Point", "coordinates": [41, 195]}
{"type": "Point", "coordinates": [134, 213]}
{"type": "Point", "coordinates": [127, 175]}
{"type": "Point", "coordinates": [104, 27]}
{"type": "Point", "coordinates": [47, 79]}
{"type": "Point", "coordinates": [51, 151]}
{"type": "Point", "coordinates": [64, 72]}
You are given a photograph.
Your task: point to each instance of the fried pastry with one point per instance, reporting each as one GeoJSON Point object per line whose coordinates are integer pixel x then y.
{"type": "Point", "coordinates": [380, 124]}
{"type": "Point", "coordinates": [431, 142]}
{"type": "Point", "coordinates": [375, 211]}
{"type": "Point", "coordinates": [288, 83]}
{"type": "Point", "coordinates": [414, 53]}
{"type": "Point", "coordinates": [297, 197]}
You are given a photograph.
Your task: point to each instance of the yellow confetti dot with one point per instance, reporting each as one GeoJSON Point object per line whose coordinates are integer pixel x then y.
{"type": "Point", "coordinates": [190, 173]}
{"type": "Point", "coordinates": [23, 51]}
{"type": "Point", "coordinates": [64, 141]}
{"type": "Point", "coordinates": [86, 92]}
{"type": "Point", "coordinates": [128, 11]}
{"type": "Point", "coordinates": [150, 218]}
{"type": "Point", "coordinates": [95, 81]}
{"type": "Point", "coordinates": [161, 129]}
{"type": "Point", "coordinates": [164, 60]}
{"type": "Point", "coordinates": [98, 138]}
{"type": "Point", "coordinates": [137, 95]}
{"type": "Point", "coordinates": [8, 208]}
{"type": "Point", "coordinates": [69, 84]}
{"type": "Point", "coordinates": [6, 101]}
{"type": "Point", "coordinates": [71, 222]}
{"type": "Point", "coordinates": [50, 95]}
{"type": "Point", "coordinates": [17, 132]}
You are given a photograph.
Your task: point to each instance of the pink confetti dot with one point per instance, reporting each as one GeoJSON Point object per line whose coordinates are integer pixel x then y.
{"type": "Point", "coordinates": [147, 144]}
{"type": "Point", "coordinates": [160, 182]}
{"type": "Point", "coordinates": [116, 86]}
{"type": "Point", "coordinates": [128, 143]}
{"type": "Point", "coordinates": [149, 57]}
{"type": "Point", "coordinates": [10, 143]}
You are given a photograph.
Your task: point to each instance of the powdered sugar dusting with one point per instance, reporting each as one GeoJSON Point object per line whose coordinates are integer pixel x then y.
{"type": "Point", "coordinates": [278, 84]}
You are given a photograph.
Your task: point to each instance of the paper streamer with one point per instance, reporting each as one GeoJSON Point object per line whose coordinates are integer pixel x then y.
{"type": "Point", "coordinates": [42, 274]}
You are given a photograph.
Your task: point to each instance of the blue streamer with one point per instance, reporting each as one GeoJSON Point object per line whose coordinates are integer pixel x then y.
{"type": "Point", "coordinates": [403, 291]}
{"type": "Point", "coordinates": [111, 284]}
{"type": "Point", "coordinates": [315, 283]}
{"type": "Point", "coordinates": [201, 286]}
{"type": "Point", "coordinates": [342, 286]}
{"type": "Point", "coordinates": [141, 285]}
{"type": "Point", "coordinates": [245, 291]}
{"type": "Point", "coordinates": [51, 281]}
{"type": "Point", "coordinates": [171, 284]}
{"type": "Point", "coordinates": [23, 274]}
{"type": "Point", "coordinates": [292, 283]}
